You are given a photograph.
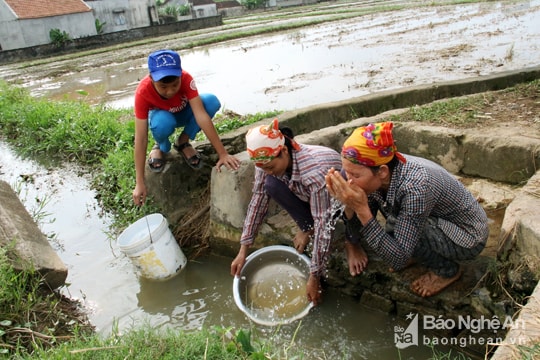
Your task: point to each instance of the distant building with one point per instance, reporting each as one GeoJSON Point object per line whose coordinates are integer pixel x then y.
{"type": "Point", "coordinates": [119, 15]}
{"type": "Point", "coordinates": [204, 8]}
{"type": "Point", "coordinates": [26, 23]}
{"type": "Point", "coordinates": [229, 8]}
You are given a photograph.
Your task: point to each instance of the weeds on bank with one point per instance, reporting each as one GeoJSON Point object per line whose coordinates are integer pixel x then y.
{"type": "Point", "coordinates": [32, 316]}
{"type": "Point", "coordinates": [99, 138]}
{"type": "Point", "coordinates": [147, 343]}
{"type": "Point", "coordinates": [529, 352]}
{"type": "Point", "coordinates": [466, 111]}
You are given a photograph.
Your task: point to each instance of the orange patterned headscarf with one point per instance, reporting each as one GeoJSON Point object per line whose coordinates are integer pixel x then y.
{"type": "Point", "coordinates": [371, 145]}
{"type": "Point", "coordinates": [264, 142]}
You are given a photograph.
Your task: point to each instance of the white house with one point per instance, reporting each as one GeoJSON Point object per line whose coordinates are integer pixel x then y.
{"type": "Point", "coordinates": [26, 23]}
{"type": "Point", "coordinates": [204, 8]}
{"type": "Point", "coordinates": [229, 8]}
{"type": "Point", "coordinates": [118, 15]}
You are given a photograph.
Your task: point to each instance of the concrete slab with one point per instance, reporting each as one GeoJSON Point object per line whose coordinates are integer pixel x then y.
{"type": "Point", "coordinates": [29, 247]}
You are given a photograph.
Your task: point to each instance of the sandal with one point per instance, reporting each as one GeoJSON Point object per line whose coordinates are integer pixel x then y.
{"type": "Point", "coordinates": [156, 164]}
{"type": "Point", "coordinates": [195, 162]}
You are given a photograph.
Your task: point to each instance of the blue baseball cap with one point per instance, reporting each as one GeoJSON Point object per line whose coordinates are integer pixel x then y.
{"type": "Point", "coordinates": [164, 63]}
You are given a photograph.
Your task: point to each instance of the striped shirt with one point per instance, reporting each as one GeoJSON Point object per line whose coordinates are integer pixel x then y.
{"type": "Point", "coordinates": [420, 189]}
{"type": "Point", "coordinates": [307, 181]}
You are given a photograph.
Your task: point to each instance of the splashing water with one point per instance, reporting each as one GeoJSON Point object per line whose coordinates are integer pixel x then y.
{"type": "Point", "coordinates": [336, 211]}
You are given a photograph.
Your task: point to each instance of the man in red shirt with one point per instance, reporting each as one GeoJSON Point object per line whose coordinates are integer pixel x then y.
{"type": "Point", "coordinates": [166, 99]}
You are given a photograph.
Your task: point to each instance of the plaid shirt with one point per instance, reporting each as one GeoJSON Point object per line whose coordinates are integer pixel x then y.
{"type": "Point", "coordinates": [307, 181]}
{"type": "Point", "coordinates": [420, 189]}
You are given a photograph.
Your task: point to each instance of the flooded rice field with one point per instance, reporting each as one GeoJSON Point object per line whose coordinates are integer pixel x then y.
{"type": "Point", "coordinates": [284, 71]}
{"type": "Point", "coordinates": [328, 62]}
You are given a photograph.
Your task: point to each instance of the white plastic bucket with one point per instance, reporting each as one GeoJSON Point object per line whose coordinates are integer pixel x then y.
{"type": "Point", "coordinates": [152, 248]}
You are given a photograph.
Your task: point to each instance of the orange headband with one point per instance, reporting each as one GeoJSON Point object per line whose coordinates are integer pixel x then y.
{"type": "Point", "coordinates": [264, 142]}
{"type": "Point", "coordinates": [371, 145]}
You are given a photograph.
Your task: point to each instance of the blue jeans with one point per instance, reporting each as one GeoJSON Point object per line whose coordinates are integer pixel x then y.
{"type": "Point", "coordinates": [163, 123]}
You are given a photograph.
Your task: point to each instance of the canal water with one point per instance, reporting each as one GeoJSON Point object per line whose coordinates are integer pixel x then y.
{"type": "Point", "coordinates": [104, 279]}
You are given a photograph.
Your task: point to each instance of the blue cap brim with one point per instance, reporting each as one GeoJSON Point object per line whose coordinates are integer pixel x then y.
{"type": "Point", "coordinates": [160, 74]}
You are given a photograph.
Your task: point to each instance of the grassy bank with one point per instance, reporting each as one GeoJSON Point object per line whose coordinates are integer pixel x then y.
{"type": "Point", "coordinates": [97, 139]}
{"type": "Point", "coordinates": [36, 323]}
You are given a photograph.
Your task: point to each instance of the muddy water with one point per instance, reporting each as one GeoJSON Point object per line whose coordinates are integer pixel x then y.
{"type": "Point", "coordinates": [328, 62]}
{"type": "Point", "coordinates": [200, 295]}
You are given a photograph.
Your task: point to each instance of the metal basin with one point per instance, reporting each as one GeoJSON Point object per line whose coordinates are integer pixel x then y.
{"type": "Point", "coordinates": [271, 289]}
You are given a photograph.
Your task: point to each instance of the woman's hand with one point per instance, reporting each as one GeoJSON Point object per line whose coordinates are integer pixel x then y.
{"type": "Point", "coordinates": [345, 191]}
{"type": "Point", "coordinates": [239, 261]}
{"type": "Point", "coordinates": [314, 290]}
{"type": "Point", "coordinates": [349, 194]}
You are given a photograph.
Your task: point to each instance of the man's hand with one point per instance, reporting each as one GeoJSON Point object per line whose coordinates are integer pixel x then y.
{"type": "Point", "coordinates": [139, 194]}
{"type": "Point", "coordinates": [230, 161]}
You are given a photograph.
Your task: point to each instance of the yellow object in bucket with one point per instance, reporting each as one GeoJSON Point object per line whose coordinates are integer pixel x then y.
{"type": "Point", "coordinates": [152, 248]}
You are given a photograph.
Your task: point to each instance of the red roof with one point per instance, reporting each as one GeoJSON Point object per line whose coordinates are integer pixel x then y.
{"type": "Point", "coordinates": [34, 9]}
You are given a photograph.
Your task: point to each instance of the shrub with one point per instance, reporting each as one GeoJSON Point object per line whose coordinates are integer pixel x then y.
{"type": "Point", "coordinates": [59, 37]}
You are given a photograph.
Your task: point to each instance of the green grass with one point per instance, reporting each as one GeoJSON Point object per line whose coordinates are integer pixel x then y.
{"type": "Point", "coordinates": [71, 131]}
{"type": "Point", "coordinates": [468, 111]}
{"type": "Point", "coordinates": [98, 138]}
{"type": "Point", "coordinates": [31, 316]}
{"type": "Point", "coordinates": [453, 111]}
{"type": "Point", "coordinates": [147, 343]}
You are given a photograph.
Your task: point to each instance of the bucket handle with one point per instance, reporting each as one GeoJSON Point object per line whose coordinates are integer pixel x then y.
{"type": "Point", "coordinates": [149, 232]}
{"type": "Point", "coordinates": [147, 226]}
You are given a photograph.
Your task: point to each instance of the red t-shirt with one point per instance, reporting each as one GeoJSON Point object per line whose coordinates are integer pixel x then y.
{"type": "Point", "coordinates": [147, 98]}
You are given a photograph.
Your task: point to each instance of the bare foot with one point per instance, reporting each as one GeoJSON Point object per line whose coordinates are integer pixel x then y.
{"type": "Point", "coordinates": [301, 239]}
{"type": "Point", "coordinates": [356, 257]}
{"type": "Point", "coordinates": [431, 284]}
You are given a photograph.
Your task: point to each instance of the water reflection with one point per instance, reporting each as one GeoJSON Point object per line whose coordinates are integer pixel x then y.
{"type": "Point", "coordinates": [201, 295]}
{"type": "Point", "coordinates": [328, 62]}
